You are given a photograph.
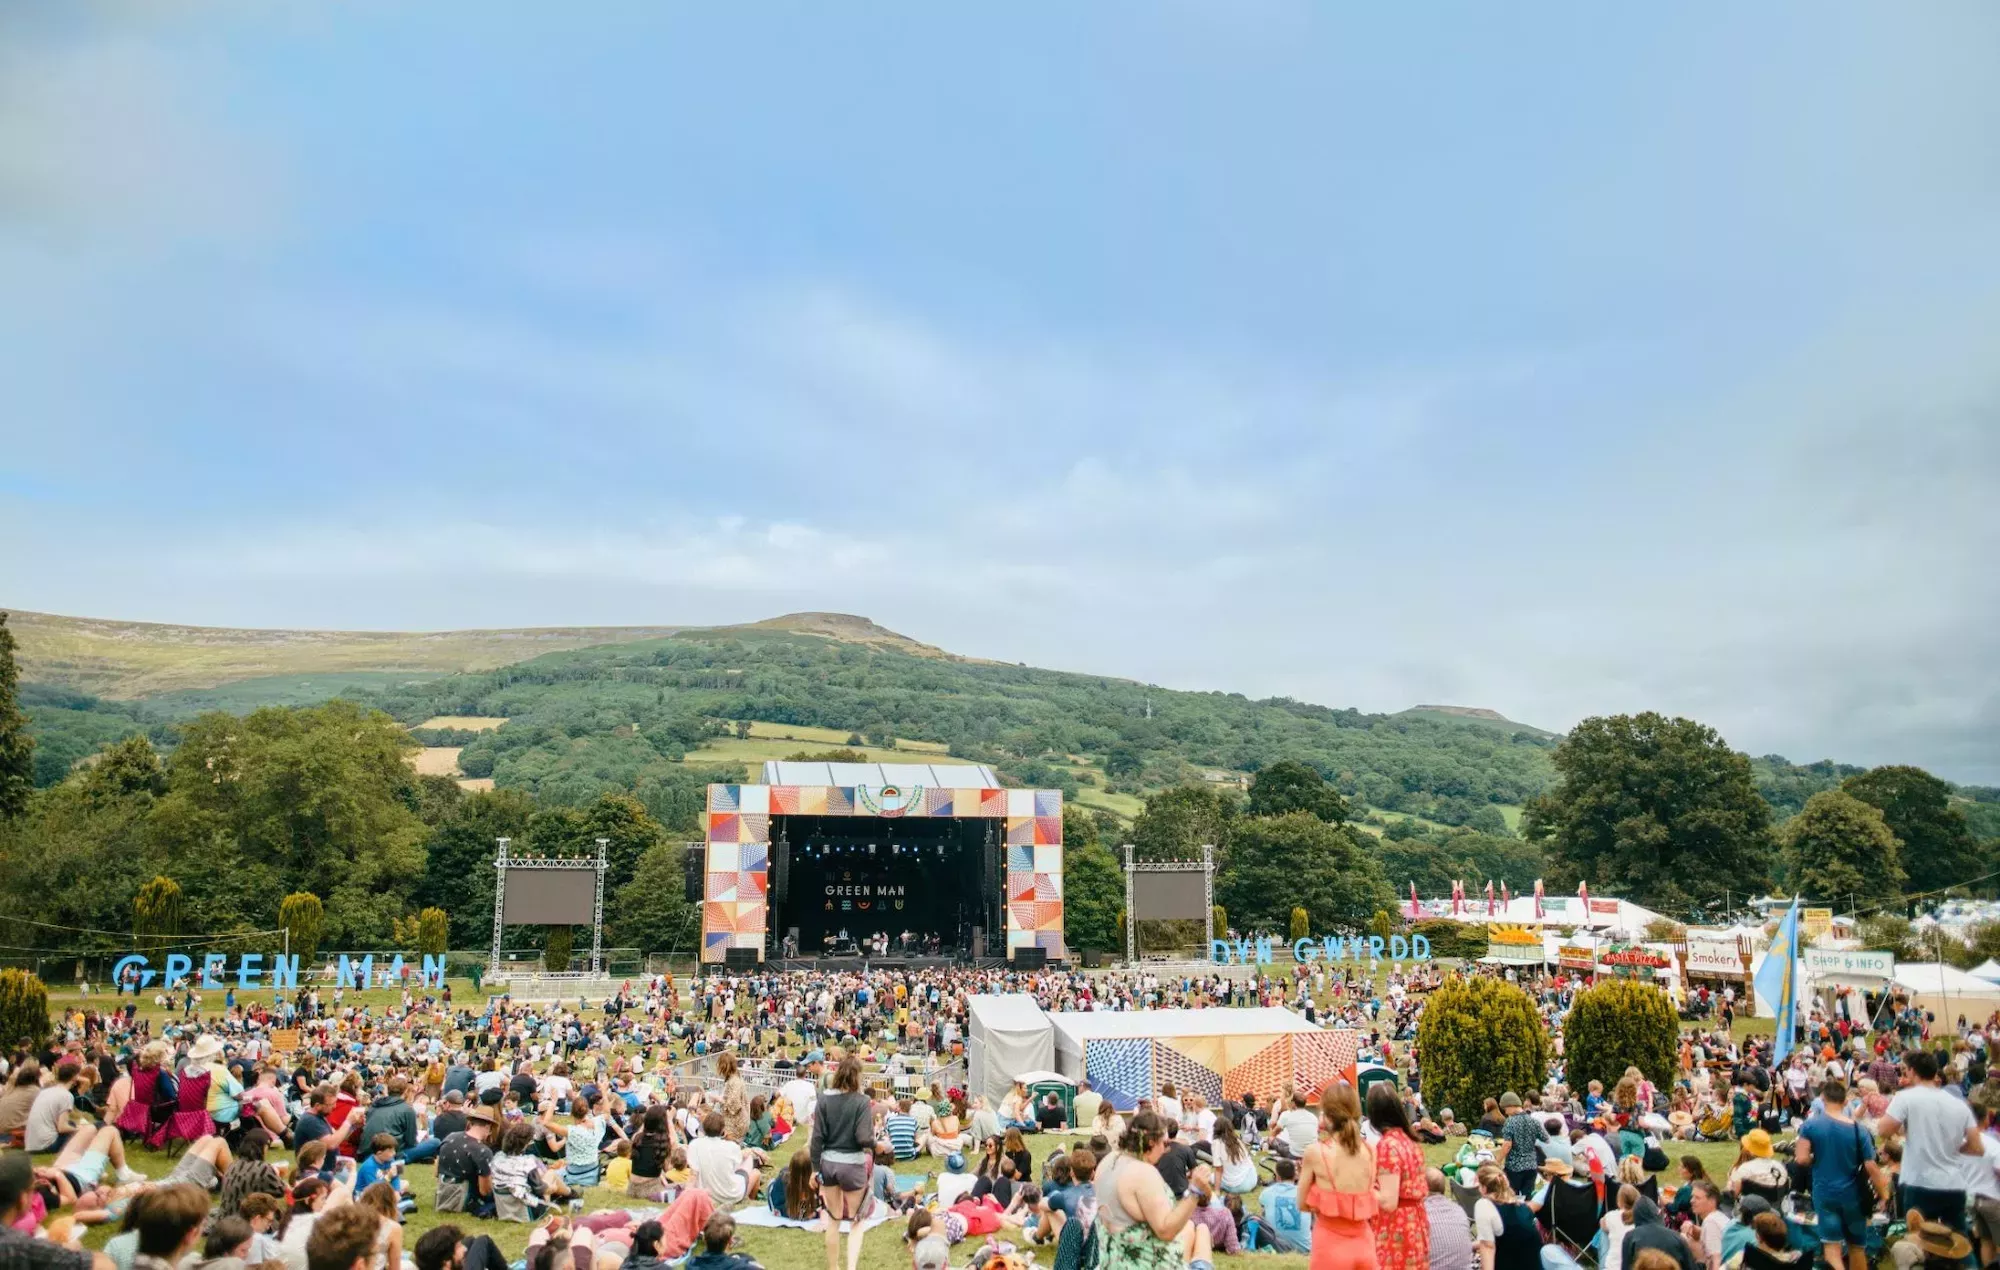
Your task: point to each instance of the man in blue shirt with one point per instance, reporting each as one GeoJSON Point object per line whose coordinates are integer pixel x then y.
{"type": "Point", "coordinates": [1837, 1148]}
{"type": "Point", "coordinates": [1289, 1227]}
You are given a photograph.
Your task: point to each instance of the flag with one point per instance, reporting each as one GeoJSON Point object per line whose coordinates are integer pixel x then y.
{"type": "Point", "coordinates": [1505, 900]}
{"type": "Point", "coordinates": [1415, 912]}
{"type": "Point", "coordinates": [1538, 899]}
{"type": "Point", "coordinates": [1489, 897]}
{"type": "Point", "coordinates": [1583, 894]}
{"type": "Point", "coordinates": [1777, 979]}
{"type": "Point", "coordinates": [1457, 897]}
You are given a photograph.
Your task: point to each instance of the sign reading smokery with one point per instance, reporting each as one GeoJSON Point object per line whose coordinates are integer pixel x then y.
{"type": "Point", "coordinates": [1714, 955]}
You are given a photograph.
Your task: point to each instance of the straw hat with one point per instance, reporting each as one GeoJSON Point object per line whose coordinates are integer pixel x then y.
{"type": "Point", "coordinates": [205, 1049]}
{"type": "Point", "coordinates": [1937, 1239]}
{"type": "Point", "coordinates": [1758, 1143]}
{"type": "Point", "coordinates": [1557, 1168]}
{"type": "Point", "coordinates": [1680, 1119]}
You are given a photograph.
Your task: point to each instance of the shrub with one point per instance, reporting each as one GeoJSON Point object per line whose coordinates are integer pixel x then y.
{"type": "Point", "coordinates": [556, 951]}
{"type": "Point", "coordinates": [1219, 923]}
{"type": "Point", "coordinates": [24, 1011]}
{"type": "Point", "coordinates": [302, 914]}
{"type": "Point", "coordinates": [1301, 925]}
{"type": "Point", "coordinates": [1465, 940]}
{"type": "Point", "coordinates": [433, 932]}
{"type": "Point", "coordinates": [1478, 1039]}
{"type": "Point", "coordinates": [1616, 1024]}
{"type": "Point", "coordinates": [156, 913]}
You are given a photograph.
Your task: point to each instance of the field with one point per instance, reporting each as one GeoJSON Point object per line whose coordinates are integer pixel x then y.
{"type": "Point", "coordinates": [127, 660]}
{"type": "Point", "coordinates": [463, 722]}
{"type": "Point", "coordinates": [834, 738]}
{"type": "Point", "coordinates": [777, 1249]}
{"type": "Point", "coordinates": [754, 752]}
{"type": "Point", "coordinates": [437, 760]}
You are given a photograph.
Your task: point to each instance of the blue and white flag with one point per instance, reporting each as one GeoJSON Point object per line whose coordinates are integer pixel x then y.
{"type": "Point", "coordinates": [1777, 979]}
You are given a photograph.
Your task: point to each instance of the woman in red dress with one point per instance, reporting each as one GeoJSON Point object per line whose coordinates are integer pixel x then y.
{"type": "Point", "coordinates": [1402, 1231]}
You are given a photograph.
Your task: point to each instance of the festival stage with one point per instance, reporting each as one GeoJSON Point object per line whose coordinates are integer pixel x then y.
{"type": "Point", "coordinates": [939, 861]}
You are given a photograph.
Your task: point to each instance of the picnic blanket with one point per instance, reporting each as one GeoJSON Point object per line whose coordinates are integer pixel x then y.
{"type": "Point", "coordinates": [761, 1215]}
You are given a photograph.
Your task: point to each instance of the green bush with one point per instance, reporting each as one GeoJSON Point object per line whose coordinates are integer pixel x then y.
{"type": "Point", "coordinates": [1616, 1024]}
{"type": "Point", "coordinates": [1219, 923]}
{"type": "Point", "coordinates": [1301, 925]}
{"type": "Point", "coordinates": [24, 1011]}
{"type": "Point", "coordinates": [304, 917]}
{"type": "Point", "coordinates": [433, 932]}
{"type": "Point", "coordinates": [557, 950]}
{"type": "Point", "coordinates": [1466, 940]}
{"type": "Point", "coordinates": [1478, 1039]}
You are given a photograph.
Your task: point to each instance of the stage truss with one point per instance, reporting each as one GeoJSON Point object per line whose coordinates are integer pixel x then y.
{"type": "Point", "coordinates": [503, 861]}
{"type": "Point", "coordinates": [1204, 866]}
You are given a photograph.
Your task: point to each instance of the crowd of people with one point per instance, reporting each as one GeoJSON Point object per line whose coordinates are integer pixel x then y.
{"type": "Point", "coordinates": [664, 1110]}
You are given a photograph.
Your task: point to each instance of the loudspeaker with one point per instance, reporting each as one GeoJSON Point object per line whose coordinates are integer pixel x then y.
{"type": "Point", "coordinates": [1093, 958]}
{"type": "Point", "coordinates": [978, 942]}
{"type": "Point", "coordinates": [740, 958]}
{"type": "Point", "coordinates": [694, 864]}
{"type": "Point", "coordinates": [1030, 958]}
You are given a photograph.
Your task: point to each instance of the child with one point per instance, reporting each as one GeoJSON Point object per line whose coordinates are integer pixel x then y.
{"type": "Point", "coordinates": [1593, 1100]}
{"type": "Point", "coordinates": [715, 1254]}
{"type": "Point", "coordinates": [618, 1173]}
{"type": "Point", "coordinates": [383, 1166]}
{"type": "Point", "coordinates": [263, 1212]}
{"type": "Point", "coordinates": [678, 1171]}
{"type": "Point", "coordinates": [882, 1182]}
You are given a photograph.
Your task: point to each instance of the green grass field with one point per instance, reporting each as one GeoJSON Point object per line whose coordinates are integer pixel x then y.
{"type": "Point", "coordinates": [775, 1248]}
{"type": "Point", "coordinates": [783, 1249]}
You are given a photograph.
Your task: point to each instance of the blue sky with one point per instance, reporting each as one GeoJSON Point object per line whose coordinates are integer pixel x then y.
{"type": "Point", "coordinates": [1553, 358]}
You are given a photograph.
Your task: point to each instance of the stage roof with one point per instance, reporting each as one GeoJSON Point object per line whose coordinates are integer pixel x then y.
{"type": "Point", "coordinates": [1074, 1027]}
{"type": "Point", "coordinates": [878, 775]}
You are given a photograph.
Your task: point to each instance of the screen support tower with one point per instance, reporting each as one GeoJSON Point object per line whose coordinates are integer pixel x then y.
{"type": "Point", "coordinates": [1204, 866]}
{"type": "Point", "coordinates": [503, 861]}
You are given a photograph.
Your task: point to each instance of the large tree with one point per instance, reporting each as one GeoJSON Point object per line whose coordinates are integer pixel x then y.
{"type": "Point", "coordinates": [17, 748]}
{"type": "Point", "coordinates": [458, 864]}
{"type": "Point", "coordinates": [285, 800]}
{"type": "Point", "coordinates": [1653, 809]}
{"type": "Point", "coordinates": [1838, 849]}
{"type": "Point", "coordinates": [651, 912]}
{"type": "Point", "coordinates": [1178, 822]}
{"type": "Point", "coordinates": [1093, 896]}
{"type": "Point", "coordinates": [1289, 785]}
{"type": "Point", "coordinates": [1297, 859]}
{"type": "Point", "coordinates": [1939, 850]}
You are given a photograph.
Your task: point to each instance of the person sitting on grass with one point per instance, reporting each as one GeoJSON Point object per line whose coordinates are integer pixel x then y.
{"type": "Point", "coordinates": [168, 1224]}
{"type": "Point", "coordinates": [264, 1213]}
{"type": "Point", "coordinates": [714, 1253]}
{"type": "Point", "coordinates": [383, 1166]}
{"type": "Point", "coordinates": [520, 1176]}
{"type": "Point", "coordinates": [227, 1246]}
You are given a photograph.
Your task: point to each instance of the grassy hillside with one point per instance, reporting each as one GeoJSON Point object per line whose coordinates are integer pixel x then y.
{"type": "Point", "coordinates": [131, 660]}
{"type": "Point", "coordinates": [643, 715]}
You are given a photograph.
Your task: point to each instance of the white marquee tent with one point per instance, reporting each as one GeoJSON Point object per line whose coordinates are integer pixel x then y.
{"type": "Point", "coordinates": [1946, 991]}
{"type": "Point", "coordinates": [1007, 1035]}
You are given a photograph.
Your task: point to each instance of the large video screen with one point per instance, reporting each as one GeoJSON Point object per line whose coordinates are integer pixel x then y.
{"type": "Point", "coordinates": [1158, 897]}
{"type": "Point", "coordinates": [550, 897]}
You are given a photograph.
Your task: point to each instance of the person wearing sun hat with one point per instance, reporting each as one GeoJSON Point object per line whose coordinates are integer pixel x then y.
{"type": "Point", "coordinates": [1929, 1243]}
{"type": "Point", "coordinates": [1757, 1166]}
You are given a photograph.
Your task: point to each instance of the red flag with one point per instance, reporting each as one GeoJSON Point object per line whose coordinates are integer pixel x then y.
{"type": "Point", "coordinates": [1415, 912]}
{"type": "Point", "coordinates": [1583, 893]}
{"type": "Point", "coordinates": [1538, 899]}
{"type": "Point", "coordinates": [1505, 899]}
{"type": "Point", "coordinates": [1457, 897]}
{"type": "Point", "coordinates": [1489, 897]}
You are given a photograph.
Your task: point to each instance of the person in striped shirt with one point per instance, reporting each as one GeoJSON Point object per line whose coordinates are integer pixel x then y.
{"type": "Point", "coordinates": [901, 1127]}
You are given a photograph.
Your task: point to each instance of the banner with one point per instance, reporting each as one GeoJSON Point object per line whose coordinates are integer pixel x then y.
{"type": "Point", "coordinates": [284, 1040]}
{"type": "Point", "coordinates": [1572, 957]}
{"type": "Point", "coordinates": [1714, 955]}
{"type": "Point", "coordinates": [1604, 908]}
{"type": "Point", "coordinates": [1514, 945]}
{"type": "Point", "coordinates": [1862, 963]}
{"type": "Point", "coordinates": [1816, 921]}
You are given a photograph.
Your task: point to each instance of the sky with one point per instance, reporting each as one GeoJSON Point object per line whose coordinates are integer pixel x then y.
{"type": "Point", "coordinates": [1561, 359]}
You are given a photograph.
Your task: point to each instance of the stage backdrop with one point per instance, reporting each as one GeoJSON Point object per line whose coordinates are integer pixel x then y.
{"type": "Point", "coordinates": [735, 912]}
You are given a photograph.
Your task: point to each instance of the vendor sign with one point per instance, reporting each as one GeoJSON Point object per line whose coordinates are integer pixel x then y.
{"type": "Point", "coordinates": [1714, 955]}
{"type": "Point", "coordinates": [1861, 963]}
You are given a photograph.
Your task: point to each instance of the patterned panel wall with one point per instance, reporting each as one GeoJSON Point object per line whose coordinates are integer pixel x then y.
{"type": "Point", "coordinates": [1126, 1069]}
{"type": "Point", "coordinates": [735, 913]}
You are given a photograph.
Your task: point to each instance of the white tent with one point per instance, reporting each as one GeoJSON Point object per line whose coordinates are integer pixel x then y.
{"type": "Point", "coordinates": [1007, 1035]}
{"type": "Point", "coordinates": [1988, 970]}
{"type": "Point", "coordinates": [1946, 991]}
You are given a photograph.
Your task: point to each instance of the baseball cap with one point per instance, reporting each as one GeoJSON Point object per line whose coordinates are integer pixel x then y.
{"type": "Point", "coordinates": [931, 1253]}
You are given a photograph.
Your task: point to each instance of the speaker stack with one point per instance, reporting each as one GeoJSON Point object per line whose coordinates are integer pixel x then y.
{"type": "Point", "coordinates": [1030, 958]}
{"type": "Point", "coordinates": [740, 958]}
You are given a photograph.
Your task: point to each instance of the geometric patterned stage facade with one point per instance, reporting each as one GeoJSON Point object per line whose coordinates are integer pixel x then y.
{"type": "Point", "coordinates": [1126, 1069]}
{"type": "Point", "coordinates": [735, 912]}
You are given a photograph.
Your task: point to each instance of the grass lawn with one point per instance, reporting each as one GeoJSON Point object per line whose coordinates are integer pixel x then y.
{"type": "Point", "coordinates": [786, 1249]}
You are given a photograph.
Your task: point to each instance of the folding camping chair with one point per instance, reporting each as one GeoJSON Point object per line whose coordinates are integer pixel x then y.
{"type": "Point", "coordinates": [1574, 1213]}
